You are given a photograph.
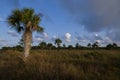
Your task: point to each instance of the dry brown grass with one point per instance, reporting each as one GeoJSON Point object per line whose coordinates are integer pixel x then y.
{"type": "Point", "coordinates": [60, 65]}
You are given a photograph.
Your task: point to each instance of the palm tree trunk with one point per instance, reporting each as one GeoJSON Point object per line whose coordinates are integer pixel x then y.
{"type": "Point", "coordinates": [27, 42]}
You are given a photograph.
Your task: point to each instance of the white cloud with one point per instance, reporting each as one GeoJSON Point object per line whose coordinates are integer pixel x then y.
{"type": "Point", "coordinates": [45, 35]}
{"type": "Point", "coordinates": [2, 40]}
{"type": "Point", "coordinates": [12, 33]}
{"type": "Point", "coordinates": [40, 37]}
{"type": "Point", "coordinates": [3, 43]}
{"type": "Point", "coordinates": [96, 16]}
{"type": "Point", "coordinates": [99, 41]}
{"type": "Point", "coordinates": [53, 38]}
{"type": "Point", "coordinates": [96, 35]}
{"type": "Point", "coordinates": [37, 39]}
{"type": "Point", "coordinates": [107, 40]}
{"type": "Point", "coordinates": [67, 37]}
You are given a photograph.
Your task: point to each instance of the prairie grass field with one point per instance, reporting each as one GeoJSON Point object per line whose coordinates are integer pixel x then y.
{"type": "Point", "coordinates": [60, 65]}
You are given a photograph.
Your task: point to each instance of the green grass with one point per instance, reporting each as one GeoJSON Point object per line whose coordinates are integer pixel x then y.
{"type": "Point", "coordinates": [60, 65]}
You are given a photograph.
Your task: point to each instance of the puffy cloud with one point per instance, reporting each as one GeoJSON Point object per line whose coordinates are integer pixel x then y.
{"type": "Point", "coordinates": [67, 37]}
{"type": "Point", "coordinates": [12, 33]}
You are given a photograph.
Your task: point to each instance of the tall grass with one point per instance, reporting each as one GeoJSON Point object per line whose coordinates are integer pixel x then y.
{"type": "Point", "coordinates": [60, 65]}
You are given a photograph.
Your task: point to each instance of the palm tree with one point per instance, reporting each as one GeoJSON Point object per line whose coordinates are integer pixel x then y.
{"type": "Point", "coordinates": [26, 21]}
{"type": "Point", "coordinates": [89, 45]}
{"type": "Point", "coordinates": [115, 45]}
{"type": "Point", "coordinates": [77, 46]}
{"type": "Point", "coordinates": [95, 45]}
{"type": "Point", "coordinates": [58, 41]}
{"type": "Point", "coordinates": [64, 46]}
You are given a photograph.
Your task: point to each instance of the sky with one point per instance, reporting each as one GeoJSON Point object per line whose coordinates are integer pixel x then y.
{"type": "Point", "coordinates": [73, 21]}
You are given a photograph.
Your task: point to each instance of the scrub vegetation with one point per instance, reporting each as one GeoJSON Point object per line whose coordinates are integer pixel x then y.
{"type": "Point", "coordinates": [60, 64]}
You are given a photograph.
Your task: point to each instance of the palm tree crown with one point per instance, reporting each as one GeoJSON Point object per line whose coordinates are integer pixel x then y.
{"type": "Point", "coordinates": [24, 19]}
{"type": "Point", "coordinates": [58, 41]}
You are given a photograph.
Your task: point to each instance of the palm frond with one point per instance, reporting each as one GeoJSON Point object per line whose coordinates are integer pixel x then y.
{"type": "Point", "coordinates": [40, 29]}
{"type": "Point", "coordinates": [27, 15]}
{"type": "Point", "coordinates": [14, 20]}
{"type": "Point", "coordinates": [25, 19]}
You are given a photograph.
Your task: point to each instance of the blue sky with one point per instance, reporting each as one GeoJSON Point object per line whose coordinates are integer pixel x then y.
{"type": "Point", "coordinates": [73, 21]}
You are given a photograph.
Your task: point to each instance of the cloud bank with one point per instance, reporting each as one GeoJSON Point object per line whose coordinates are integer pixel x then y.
{"type": "Point", "coordinates": [96, 15]}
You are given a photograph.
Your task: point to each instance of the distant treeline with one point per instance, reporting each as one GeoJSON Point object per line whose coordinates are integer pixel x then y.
{"type": "Point", "coordinates": [50, 46]}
